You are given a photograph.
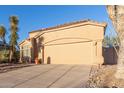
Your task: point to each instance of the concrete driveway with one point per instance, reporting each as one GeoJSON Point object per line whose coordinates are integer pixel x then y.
{"type": "Point", "coordinates": [46, 76]}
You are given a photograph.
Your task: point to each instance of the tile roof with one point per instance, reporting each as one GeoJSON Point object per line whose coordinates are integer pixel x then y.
{"type": "Point", "coordinates": [67, 24]}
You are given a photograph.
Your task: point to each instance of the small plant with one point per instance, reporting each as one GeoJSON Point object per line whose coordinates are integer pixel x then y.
{"type": "Point", "coordinates": [39, 61]}
{"type": "Point", "coordinates": [48, 60]}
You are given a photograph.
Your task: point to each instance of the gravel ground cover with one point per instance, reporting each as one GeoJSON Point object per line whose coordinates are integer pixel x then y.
{"type": "Point", "coordinates": [103, 77]}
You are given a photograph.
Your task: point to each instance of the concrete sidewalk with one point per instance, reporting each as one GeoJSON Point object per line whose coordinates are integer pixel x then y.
{"type": "Point", "coordinates": [46, 76]}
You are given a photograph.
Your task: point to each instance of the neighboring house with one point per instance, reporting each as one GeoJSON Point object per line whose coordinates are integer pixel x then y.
{"type": "Point", "coordinates": [72, 43]}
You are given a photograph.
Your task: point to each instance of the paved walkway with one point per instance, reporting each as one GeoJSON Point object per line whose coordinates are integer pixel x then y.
{"type": "Point", "coordinates": [46, 76]}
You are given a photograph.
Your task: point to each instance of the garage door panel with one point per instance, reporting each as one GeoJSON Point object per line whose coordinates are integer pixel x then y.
{"type": "Point", "coordinates": [79, 53]}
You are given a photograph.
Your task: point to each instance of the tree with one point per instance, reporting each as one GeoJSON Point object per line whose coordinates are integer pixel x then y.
{"type": "Point", "coordinates": [116, 14]}
{"type": "Point", "coordinates": [2, 34]}
{"type": "Point", "coordinates": [13, 37]}
{"type": "Point", "coordinates": [106, 41]}
{"type": "Point", "coordinates": [110, 41]}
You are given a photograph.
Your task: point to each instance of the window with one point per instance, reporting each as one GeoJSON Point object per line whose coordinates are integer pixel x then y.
{"type": "Point", "coordinates": [26, 50]}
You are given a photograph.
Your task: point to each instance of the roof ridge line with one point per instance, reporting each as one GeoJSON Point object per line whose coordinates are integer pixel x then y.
{"type": "Point", "coordinates": [65, 24]}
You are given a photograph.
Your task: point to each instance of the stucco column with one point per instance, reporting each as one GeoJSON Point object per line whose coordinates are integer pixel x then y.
{"type": "Point", "coordinates": [99, 52]}
{"type": "Point", "coordinates": [43, 54]}
{"type": "Point", "coordinates": [94, 52]}
{"type": "Point", "coordinates": [21, 54]}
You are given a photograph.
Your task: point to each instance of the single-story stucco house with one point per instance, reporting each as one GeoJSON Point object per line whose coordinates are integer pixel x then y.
{"type": "Point", "coordinates": [71, 43]}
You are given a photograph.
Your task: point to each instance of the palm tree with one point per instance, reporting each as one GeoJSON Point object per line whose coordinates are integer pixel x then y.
{"type": "Point", "coordinates": [2, 34]}
{"type": "Point", "coordinates": [13, 37]}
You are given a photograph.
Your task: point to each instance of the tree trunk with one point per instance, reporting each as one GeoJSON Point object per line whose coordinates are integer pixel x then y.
{"type": "Point", "coordinates": [116, 14]}
{"type": "Point", "coordinates": [10, 55]}
{"type": "Point", "coordinates": [120, 66]}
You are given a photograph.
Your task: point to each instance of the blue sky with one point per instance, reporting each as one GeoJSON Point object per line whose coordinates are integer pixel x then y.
{"type": "Point", "coordinates": [37, 17]}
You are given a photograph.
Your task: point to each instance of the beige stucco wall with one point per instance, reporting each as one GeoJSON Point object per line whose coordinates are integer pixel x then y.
{"type": "Point", "coordinates": [32, 34]}
{"type": "Point", "coordinates": [87, 31]}
{"type": "Point", "coordinates": [73, 44]}
{"type": "Point", "coordinates": [86, 47]}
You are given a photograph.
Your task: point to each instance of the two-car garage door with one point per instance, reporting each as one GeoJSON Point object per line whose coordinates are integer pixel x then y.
{"type": "Point", "coordinates": [73, 53]}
